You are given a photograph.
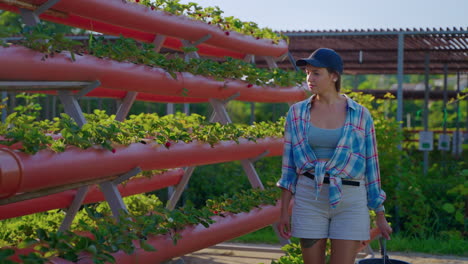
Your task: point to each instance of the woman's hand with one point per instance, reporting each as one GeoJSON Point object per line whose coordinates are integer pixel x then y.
{"type": "Point", "coordinates": [383, 225]}
{"type": "Point", "coordinates": [284, 226]}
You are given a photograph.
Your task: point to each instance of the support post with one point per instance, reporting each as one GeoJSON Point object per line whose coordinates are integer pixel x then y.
{"type": "Point", "coordinates": [426, 109]}
{"type": "Point", "coordinates": [401, 50]}
{"type": "Point", "coordinates": [5, 106]}
{"type": "Point", "coordinates": [457, 131]}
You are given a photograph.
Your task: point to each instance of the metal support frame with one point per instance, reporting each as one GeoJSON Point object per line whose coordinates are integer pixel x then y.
{"type": "Point", "coordinates": [31, 18]}
{"type": "Point", "coordinates": [250, 58]}
{"type": "Point", "coordinates": [44, 7]}
{"type": "Point", "coordinates": [74, 207]}
{"type": "Point", "coordinates": [293, 61]}
{"type": "Point", "coordinates": [194, 54]}
{"type": "Point", "coordinates": [179, 189]}
{"type": "Point", "coordinates": [73, 109]}
{"type": "Point", "coordinates": [221, 115]}
{"type": "Point", "coordinates": [112, 194]}
{"type": "Point", "coordinates": [271, 62]}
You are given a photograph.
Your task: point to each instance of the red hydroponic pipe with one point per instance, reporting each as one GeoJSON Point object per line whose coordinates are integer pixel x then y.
{"type": "Point", "coordinates": [94, 195]}
{"type": "Point", "coordinates": [97, 26]}
{"type": "Point", "coordinates": [21, 172]}
{"type": "Point", "coordinates": [194, 238]}
{"type": "Point", "coordinates": [23, 64]}
{"type": "Point", "coordinates": [136, 17]}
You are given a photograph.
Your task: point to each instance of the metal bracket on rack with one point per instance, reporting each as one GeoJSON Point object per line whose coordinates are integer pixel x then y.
{"type": "Point", "coordinates": [219, 112]}
{"type": "Point", "coordinates": [158, 42]}
{"type": "Point", "coordinates": [31, 18]}
{"type": "Point", "coordinates": [194, 54]}
{"type": "Point", "coordinates": [87, 89]}
{"type": "Point", "coordinates": [179, 189]}
{"type": "Point", "coordinates": [201, 40]}
{"type": "Point", "coordinates": [293, 61]}
{"type": "Point", "coordinates": [74, 207]}
{"type": "Point", "coordinates": [71, 105]}
{"type": "Point", "coordinates": [112, 194]}
{"type": "Point", "coordinates": [15, 86]}
{"type": "Point", "coordinates": [126, 105]}
{"type": "Point", "coordinates": [44, 7]}
{"type": "Point", "coordinates": [250, 58]}
{"type": "Point", "coordinates": [230, 98]}
{"type": "Point", "coordinates": [271, 62]}
{"type": "Point", "coordinates": [253, 160]}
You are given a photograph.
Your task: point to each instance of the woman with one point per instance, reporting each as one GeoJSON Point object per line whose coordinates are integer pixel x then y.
{"type": "Point", "coordinates": [330, 165]}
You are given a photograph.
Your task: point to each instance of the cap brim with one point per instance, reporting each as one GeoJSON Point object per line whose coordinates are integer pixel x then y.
{"type": "Point", "coordinates": [313, 62]}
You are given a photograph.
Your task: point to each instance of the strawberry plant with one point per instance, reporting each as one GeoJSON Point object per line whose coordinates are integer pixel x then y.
{"type": "Point", "coordinates": [213, 16]}
{"type": "Point", "coordinates": [103, 130]}
{"type": "Point", "coordinates": [123, 49]}
{"type": "Point", "coordinates": [147, 217]}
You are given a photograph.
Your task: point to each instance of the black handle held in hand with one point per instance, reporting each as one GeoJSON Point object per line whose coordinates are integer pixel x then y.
{"type": "Point", "coordinates": [383, 250]}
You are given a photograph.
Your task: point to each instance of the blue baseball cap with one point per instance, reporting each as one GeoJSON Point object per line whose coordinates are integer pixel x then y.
{"type": "Point", "coordinates": [323, 58]}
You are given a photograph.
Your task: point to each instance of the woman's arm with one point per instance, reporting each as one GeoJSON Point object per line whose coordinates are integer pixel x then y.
{"type": "Point", "coordinates": [284, 225]}
{"type": "Point", "coordinates": [375, 195]}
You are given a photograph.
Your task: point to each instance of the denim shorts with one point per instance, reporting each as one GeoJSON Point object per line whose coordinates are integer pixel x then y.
{"type": "Point", "coordinates": [316, 219]}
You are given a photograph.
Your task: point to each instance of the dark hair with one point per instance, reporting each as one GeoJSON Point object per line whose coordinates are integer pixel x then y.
{"type": "Point", "coordinates": [338, 81]}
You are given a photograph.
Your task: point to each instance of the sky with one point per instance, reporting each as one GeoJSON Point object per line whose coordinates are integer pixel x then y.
{"type": "Point", "coordinates": [346, 14]}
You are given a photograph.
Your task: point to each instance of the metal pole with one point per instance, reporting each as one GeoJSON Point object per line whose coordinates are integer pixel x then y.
{"type": "Point", "coordinates": [171, 189]}
{"type": "Point", "coordinates": [4, 109]}
{"type": "Point", "coordinates": [47, 107]}
{"type": "Point", "coordinates": [356, 82]}
{"type": "Point", "coordinates": [401, 47]}
{"type": "Point", "coordinates": [426, 109]}
{"type": "Point", "coordinates": [54, 106]}
{"type": "Point", "coordinates": [457, 131]}
{"type": "Point", "coordinates": [252, 113]}
{"type": "Point", "coordinates": [444, 125]}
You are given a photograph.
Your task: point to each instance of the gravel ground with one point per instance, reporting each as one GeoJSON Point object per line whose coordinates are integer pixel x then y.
{"type": "Point", "coordinates": [233, 253]}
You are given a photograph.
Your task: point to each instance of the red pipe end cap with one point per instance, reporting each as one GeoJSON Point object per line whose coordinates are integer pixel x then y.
{"type": "Point", "coordinates": [11, 173]}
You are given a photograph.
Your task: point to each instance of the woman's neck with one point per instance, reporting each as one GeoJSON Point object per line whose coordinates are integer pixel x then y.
{"type": "Point", "coordinates": [329, 98]}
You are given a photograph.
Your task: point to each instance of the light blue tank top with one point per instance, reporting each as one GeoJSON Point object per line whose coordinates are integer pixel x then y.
{"type": "Point", "coordinates": [323, 141]}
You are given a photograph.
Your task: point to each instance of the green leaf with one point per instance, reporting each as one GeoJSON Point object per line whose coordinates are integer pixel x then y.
{"type": "Point", "coordinates": [147, 247]}
{"type": "Point", "coordinates": [449, 208]}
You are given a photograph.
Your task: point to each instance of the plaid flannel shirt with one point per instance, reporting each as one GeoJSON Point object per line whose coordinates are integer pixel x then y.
{"type": "Point", "coordinates": [355, 156]}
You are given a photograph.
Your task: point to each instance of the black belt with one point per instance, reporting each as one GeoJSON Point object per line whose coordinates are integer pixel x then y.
{"type": "Point", "coordinates": [327, 180]}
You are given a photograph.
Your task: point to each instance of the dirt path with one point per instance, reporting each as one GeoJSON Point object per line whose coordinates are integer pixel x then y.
{"type": "Point", "coordinates": [232, 253]}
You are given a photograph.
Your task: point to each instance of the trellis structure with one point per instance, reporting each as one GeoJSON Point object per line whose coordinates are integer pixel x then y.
{"type": "Point", "coordinates": [62, 11]}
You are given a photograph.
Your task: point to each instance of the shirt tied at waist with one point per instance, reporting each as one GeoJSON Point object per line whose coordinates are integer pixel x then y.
{"type": "Point", "coordinates": [335, 191]}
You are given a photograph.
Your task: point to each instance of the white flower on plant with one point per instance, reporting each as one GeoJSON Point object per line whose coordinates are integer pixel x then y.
{"type": "Point", "coordinates": [170, 219]}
